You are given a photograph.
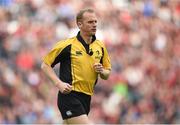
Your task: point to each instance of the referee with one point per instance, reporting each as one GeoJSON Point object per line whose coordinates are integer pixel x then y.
{"type": "Point", "coordinates": [82, 59]}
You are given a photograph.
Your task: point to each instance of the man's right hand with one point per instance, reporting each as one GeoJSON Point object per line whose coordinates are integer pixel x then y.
{"type": "Point", "coordinates": [64, 88]}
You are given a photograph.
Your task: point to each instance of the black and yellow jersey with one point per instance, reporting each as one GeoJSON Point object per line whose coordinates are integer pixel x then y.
{"type": "Point", "coordinates": [76, 60]}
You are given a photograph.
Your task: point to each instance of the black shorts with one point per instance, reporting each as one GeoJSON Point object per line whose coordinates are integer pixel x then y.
{"type": "Point", "coordinates": [73, 104]}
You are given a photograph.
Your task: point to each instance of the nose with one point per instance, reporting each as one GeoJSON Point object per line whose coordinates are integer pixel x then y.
{"type": "Point", "coordinates": [94, 24]}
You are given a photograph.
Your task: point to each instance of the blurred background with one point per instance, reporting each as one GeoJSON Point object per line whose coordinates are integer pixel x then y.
{"type": "Point", "coordinates": [143, 40]}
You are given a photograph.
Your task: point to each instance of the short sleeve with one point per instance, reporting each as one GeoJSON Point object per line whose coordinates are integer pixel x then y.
{"type": "Point", "coordinates": [53, 54]}
{"type": "Point", "coordinates": [106, 59]}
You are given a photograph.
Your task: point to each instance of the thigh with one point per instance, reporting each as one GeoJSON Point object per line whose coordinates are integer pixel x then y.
{"type": "Point", "coordinates": [82, 119]}
{"type": "Point", "coordinates": [64, 122]}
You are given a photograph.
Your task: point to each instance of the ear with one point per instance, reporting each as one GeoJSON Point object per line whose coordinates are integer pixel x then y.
{"type": "Point", "coordinates": [79, 24]}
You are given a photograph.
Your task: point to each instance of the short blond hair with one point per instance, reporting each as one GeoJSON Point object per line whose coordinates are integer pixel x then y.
{"type": "Point", "coordinates": [81, 12]}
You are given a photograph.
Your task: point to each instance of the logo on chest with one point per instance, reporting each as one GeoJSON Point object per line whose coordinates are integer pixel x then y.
{"type": "Point", "coordinates": [79, 53]}
{"type": "Point", "coordinates": [97, 54]}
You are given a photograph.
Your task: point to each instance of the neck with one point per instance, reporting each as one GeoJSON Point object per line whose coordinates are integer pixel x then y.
{"type": "Point", "coordinates": [86, 38]}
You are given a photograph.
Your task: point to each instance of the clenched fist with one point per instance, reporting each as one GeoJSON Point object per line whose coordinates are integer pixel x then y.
{"type": "Point", "coordinates": [98, 67]}
{"type": "Point", "coordinates": [64, 88]}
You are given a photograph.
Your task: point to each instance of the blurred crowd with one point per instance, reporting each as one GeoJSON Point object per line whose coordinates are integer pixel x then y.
{"type": "Point", "coordinates": [143, 40]}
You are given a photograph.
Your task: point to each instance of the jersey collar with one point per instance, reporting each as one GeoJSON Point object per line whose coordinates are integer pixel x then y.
{"type": "Point", "coordinates": [86, 46]}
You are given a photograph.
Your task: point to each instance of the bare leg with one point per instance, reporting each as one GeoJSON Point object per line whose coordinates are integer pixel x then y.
{"type": "Point", "coordinates": [64, 122]}
{"type": "Point", "coordinates": [82, 119]}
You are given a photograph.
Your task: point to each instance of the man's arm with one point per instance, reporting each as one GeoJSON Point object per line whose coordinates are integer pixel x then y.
{"type": "Point", "coordinates": [49, 72]}
{"type": "Point", "coordinates": [104, 73]}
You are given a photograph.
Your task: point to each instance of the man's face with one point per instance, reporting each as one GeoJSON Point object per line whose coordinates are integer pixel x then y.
{"type": "Point", "coordinates": [88, 24]}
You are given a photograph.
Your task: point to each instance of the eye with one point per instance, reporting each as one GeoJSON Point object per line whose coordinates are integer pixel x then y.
{"type": "Point", "coordinates": [90, 21]}
{"type": "Point", "coordinates": [94, 21]}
